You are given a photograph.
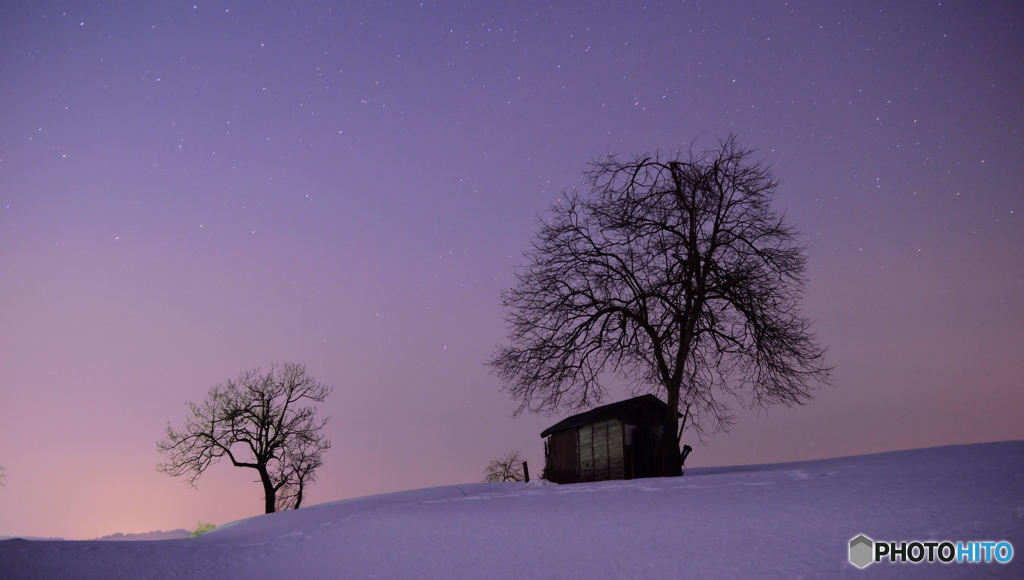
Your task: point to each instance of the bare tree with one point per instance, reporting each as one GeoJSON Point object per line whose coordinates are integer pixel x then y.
{"type": "Point", "coordinates": [257, 421]}
{"type": "Point", "coordinates": [675, 274]}
{"type": "Point", "coordinates": [3, 475]}
{"type": "Point", "coordinates": [508, 468]}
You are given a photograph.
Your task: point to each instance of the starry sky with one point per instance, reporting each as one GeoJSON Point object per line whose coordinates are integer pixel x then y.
{"type": "Point", "coordinates": [189, 190]}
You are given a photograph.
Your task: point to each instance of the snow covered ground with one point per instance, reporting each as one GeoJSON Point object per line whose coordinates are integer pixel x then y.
{"type": "Point", "coordinates": [147, 536]}
{"type": "Point", "coordinates": [765, 521]}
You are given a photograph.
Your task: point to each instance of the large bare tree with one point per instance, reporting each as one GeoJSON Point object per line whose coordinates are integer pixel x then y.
{"type": "Point", "coordinates": [676, 274]}
{"type": "Point", "coordinates": [259, 420]}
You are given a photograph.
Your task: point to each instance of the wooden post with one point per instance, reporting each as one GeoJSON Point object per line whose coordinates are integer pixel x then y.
{"type": "Point", "coordinates": [526, 472]}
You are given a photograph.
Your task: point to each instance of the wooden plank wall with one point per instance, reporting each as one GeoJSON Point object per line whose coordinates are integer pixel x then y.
{"type": "Point", "coordinates": [601, 453]}
{"type": "Point", "coordinates": [586, 452]}
{"type": "Point", "coordinates": [616, 450]}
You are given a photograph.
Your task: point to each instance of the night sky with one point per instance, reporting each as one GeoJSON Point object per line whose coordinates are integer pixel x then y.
{"type": "Point", "coordinates": [191, 190]}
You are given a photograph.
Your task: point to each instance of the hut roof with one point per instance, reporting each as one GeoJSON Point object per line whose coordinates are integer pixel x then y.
{"type": "Point", "coordinates": [617, 410]}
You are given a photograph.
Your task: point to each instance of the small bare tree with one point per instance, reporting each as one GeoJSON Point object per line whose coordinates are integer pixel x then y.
{"type": "Point", "coordinates": [259, 421]}
{"type": "Point", "coordinates": [674, 273]}
{"type": "Point", "coordinates": [508, 468]}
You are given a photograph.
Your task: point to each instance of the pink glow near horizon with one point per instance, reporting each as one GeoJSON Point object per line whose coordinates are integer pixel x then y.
{"type": "Point", "coordinates": [187, 192]}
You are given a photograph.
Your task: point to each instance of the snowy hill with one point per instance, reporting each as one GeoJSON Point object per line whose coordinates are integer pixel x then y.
{"type": "Point", "coordinates": [780, 520]}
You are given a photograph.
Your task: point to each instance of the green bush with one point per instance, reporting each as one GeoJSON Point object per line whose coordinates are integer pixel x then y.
{"type": "Point", "coordinates": [201, 529]}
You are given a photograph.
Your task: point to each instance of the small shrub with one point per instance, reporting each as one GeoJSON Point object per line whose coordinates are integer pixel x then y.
{"type": "Point", "coordinates": [201, 529]}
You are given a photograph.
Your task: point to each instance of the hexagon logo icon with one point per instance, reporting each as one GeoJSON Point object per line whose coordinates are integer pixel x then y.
{"type": "Point", "coordinates": [861, 551]}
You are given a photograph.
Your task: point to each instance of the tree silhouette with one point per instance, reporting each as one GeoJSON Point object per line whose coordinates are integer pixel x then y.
{"type": "Point", "coordinates": [508, 468]}
{"type": "Point", "coordinates": [257, 421]}
{"type": "Point", "coordinates": [675, 274]}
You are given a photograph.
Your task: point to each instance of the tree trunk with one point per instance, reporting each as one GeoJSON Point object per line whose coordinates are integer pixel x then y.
{"type": "Point", "coordinates": [269, 493]}
{"type": "Point", "coordinates": [669, 444]}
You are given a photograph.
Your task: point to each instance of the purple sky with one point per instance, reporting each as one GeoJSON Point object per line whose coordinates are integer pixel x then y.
{"type": "Point", "coordinates": [188, 191]}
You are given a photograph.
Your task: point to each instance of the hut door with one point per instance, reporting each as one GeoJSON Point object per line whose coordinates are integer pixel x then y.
{"type": "Point", "coordinates": [562, 460]}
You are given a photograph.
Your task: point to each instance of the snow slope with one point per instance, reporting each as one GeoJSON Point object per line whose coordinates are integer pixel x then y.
{"type": "Point", "coordinates": [765, 521]}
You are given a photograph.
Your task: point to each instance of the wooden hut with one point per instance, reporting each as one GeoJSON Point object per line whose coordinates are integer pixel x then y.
{"type": "Point", "coordinates": [616, 441]}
